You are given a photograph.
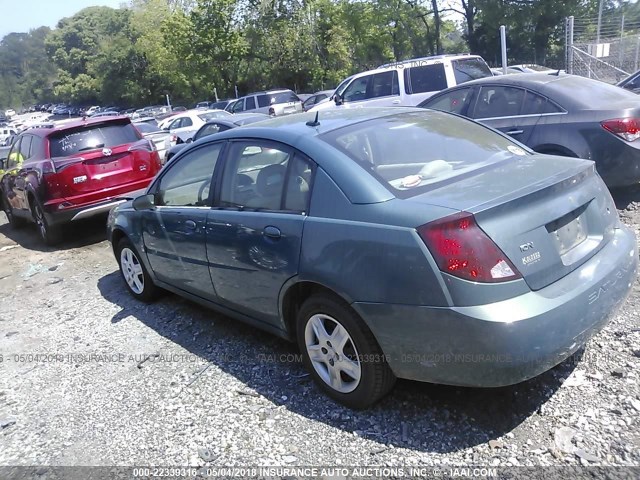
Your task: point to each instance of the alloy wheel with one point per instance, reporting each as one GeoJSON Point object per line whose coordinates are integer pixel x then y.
{"type": "Point", "coordinates": [132, 270]}
{"type": "Point", "coordinates": [333, 353]}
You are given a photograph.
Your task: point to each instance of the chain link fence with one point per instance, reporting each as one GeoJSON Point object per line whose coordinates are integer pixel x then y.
{"type": "Point", "coordinates": [607, 49]}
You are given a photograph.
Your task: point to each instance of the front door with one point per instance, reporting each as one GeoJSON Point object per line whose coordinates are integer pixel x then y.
{"type": "Point", "coordinates": [174, 234]}
{"type": "Point", "coordinates": [255, 230]}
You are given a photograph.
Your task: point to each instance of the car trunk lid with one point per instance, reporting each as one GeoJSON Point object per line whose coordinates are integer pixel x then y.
{"type": "Point", "coordinates": [547, 220]}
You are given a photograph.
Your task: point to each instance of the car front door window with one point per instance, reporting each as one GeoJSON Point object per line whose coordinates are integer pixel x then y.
{"type": "Point", "coordinates": [188, 182]}
{"type": "Point", "coordinates": [357, 90]}
{"type": "Point", "coordinates": [453, 102]}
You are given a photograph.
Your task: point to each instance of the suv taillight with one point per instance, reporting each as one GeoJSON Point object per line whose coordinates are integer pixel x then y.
{"type": "Point", "coordinates": [627, 128]}
{"type": "Point", "coordinates": [462, 249]}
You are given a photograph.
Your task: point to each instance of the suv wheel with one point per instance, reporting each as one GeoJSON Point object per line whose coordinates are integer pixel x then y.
{"type": "Point", "coordinates": [341, 353]}
{"type": "Point", "coordinates": [15, 222]}
{"type": "Point", "coordinates": [51, 235]}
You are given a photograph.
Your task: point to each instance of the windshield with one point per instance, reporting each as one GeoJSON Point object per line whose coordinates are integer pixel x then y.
{"type": "Point", "coordinates": [406, 151]}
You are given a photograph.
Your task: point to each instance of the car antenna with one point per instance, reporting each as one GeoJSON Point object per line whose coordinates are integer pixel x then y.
{"type": "Point", "coordinates": [315, 122]}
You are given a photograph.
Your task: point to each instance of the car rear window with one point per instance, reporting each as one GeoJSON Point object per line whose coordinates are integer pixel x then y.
{"type": "Point", "coordinates": [468, 69]}
{"type": "Point", "coordinates": [102, 135]}
{"type": "Point", "coordinates": [410, 150]}
{"type": "Point", "coordinates": [283, 97]}
{"type": "Point", "coordinates": [425, 78]}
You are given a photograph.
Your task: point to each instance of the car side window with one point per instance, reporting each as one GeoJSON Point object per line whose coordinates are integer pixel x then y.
{"type": "Point", "coordinates": [450, 102]}
{"type": "Point", "coordinates": [263, 101]}
{"type": "Point", "coordinates": [383, 85]}
{"type": "Point", "coordinates": [535, 104]}
{"type": "Point", "coordinates": [357, 90]}
{"type": "Point", "coordinates": [208, 130]}
{"type": "Point", "coordinates": [186, 122]}
{"type": "Point", "coordinates": [425, 78]}
{"type": "Point", "coordinates": [299, 178]}
{"type": "Point", "coordinates": [254, 176]}
{"type": "Point", "coordinates": [25, 147]}
{"type": "Point", "coordinates": [250, 103]}
{"type": "Point", "coordinates": [238, 106]}
{"type": "Point", "coordinates": [494, 101]}
{"type": "Point", "coordinates": [187, 183]}
{"type": "Point", "coordinates": [14, 158]}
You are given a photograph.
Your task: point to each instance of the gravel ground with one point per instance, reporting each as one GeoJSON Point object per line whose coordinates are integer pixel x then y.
{"type": "Point", "coordinates": [170, 383]}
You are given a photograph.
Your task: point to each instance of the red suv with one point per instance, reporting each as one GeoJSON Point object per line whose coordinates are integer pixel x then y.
{"type": "Point", "coordinates": [55, 175]}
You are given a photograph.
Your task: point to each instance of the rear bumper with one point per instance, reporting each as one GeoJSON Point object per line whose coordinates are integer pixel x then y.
{"type": "Point", "coordinates": [620, 167]}
{"type": "Point", "coordinates": [509, 341]}
{"type": "Point", "coordinates": [66, 210]}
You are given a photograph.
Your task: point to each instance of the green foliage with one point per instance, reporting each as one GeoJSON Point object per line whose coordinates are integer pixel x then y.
{"type": "Point", "coordinates": [193, 49]}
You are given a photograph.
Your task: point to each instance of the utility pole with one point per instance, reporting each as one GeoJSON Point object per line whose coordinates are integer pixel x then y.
{"type": "Point", "coordinates": [503, 46]}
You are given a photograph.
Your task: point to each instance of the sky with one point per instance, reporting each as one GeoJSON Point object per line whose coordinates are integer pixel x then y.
{"type": "Point", "coordinates": [24, 15]}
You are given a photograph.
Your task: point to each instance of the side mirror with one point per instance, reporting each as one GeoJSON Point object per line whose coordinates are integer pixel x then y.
{"type": "Point", "coordinates": [189, 140]}
{"type": "Point", "coordinates": [144, 202]}
{"type": "Point", "coordinates": [338, 99]}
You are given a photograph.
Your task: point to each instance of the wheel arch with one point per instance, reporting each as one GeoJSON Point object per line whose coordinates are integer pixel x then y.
{"type": "Point", "coordinates": [294, 296]}
{"type": "Point", "coordinates": [554, 149]}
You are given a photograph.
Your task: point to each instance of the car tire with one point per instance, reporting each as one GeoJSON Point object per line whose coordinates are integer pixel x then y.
{"type": "Point", "coordinates": [134, 273]}
{"type": "Point", "coordinates": [50, 234]}
{"type": "Point", "coordinates": [366, 377]}
{"type": "Point", "coordinates": [15, 222]}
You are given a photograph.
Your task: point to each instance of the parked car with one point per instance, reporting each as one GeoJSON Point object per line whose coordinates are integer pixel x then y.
{"type": "Point", "coordinates": [62, 174]}
{"type": "Point", "coordinates": [558, 114]}
{"type": "Point", "coordinates": [216, 126]}
{"type": "Point", "coordinates": [202, 105]}
{"type": "Point", "coordinates": [5, 133]}
{"type": "Point", "coordinates": [185, 124]}
{"type": "Point", "coordinates": [498, 71]}
{"type": "Point", "coordinates": [388, 243]}
{"type": "Point", "coordinates": [106, 113]}
{"type": "Point", "coordinates": [272, 102]}
{"type": "Point", "coordinates": [316, 98]}
{"type": "Point", "coordinates": [151, 131]}
{"type": "Point", "coordinates": [10, 113]}
{"type": "Point", "coordinates": [406, 83]}
{"type": "Point", "coordinates": [532, 68]}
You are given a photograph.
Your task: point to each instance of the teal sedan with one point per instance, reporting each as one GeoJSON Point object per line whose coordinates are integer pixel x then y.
{"type": "Point", "coordinates": [388, 243]}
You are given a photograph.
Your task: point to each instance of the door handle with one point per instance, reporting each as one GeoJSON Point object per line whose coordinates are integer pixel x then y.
{"type": "Point", "coordinates": [190, 224]}
{"type": "Point", "coordinates": [396, 102]}
{"type": "Point", "coordinates": [272, 232]}
{"type": "Point", "coordinates": [515, 132]}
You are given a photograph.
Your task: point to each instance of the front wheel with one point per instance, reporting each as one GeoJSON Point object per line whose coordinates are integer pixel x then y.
{"type": "Point", "coordinates": [341, 353]}
{"type": "Point", "coordinates": [134, 273]}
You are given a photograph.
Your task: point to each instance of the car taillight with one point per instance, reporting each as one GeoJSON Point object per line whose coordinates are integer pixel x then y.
{"type": "Point", "coordinates": [627, 128]}
{"type": "Point", "coordinates": [462, 249]}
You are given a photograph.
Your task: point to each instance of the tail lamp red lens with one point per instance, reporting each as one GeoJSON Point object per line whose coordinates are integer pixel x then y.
{"type": "Point", "coordinates": [462, 249]}
{"type": "Point", "coordinates": [627, 128]}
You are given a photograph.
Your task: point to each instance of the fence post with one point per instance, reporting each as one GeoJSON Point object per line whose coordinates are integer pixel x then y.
{"type": "Point", "coordinates": [570, 49]}
{"type": "Point", "coordinates": [637, 52]}
{"type": "Point", "coordinates": [503, 46]}
{"type": "Point", "coordinates": [621, 42]}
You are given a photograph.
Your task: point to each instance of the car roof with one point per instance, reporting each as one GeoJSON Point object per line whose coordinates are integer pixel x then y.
{"type": "Point", "coordinates": [329, 120]}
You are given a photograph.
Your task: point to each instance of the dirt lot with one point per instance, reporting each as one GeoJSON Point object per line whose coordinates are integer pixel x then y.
{"type": "Point", "coordinates": [122, 383]}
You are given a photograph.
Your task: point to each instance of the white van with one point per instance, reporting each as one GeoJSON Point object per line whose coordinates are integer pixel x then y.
{"type": "Point", "coordinates": [5, 133]}
{"type": "Point", "coordinates": [406, 83]}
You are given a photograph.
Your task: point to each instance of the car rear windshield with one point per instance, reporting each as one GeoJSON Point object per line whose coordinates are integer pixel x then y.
{"type": "Point", "coordinates": [102, 135]}
{"type": "Point", "coordinates": [468, 69]}
{"type": "Point", "coordinates": [406, 151]}
{"type": "Point", "coordinates": [283, 97]}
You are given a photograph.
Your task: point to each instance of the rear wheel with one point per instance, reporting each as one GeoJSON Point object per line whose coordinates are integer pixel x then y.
{"type": "Point", "coordinates": [50, 234]}
{"type": "Point", "coordinates": [15, 222]}
{"type": "Point", "coordinates": [134, 273]}
{"type": "Point", "coordinates": [341, 352]}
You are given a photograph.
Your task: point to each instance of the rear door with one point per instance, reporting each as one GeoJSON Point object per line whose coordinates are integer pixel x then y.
{"type": "Point", "coordinates": [503, 108]}
{"type": "Point", "coordinates": [254, 232]}
{"type": "Point", "coordinates": [101, 155]}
